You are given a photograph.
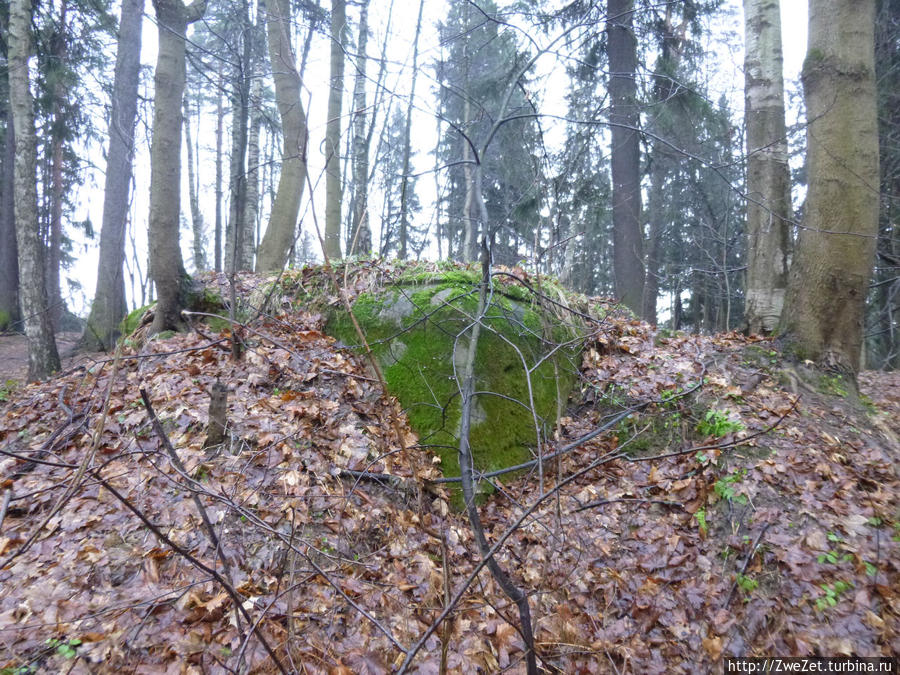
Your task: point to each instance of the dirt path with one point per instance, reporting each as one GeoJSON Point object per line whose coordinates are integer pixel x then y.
{"type": "Point", "coordinates": [14, 354]}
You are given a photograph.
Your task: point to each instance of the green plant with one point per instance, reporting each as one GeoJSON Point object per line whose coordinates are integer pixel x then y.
{"type": "Point", "coordinates": [65, 648]}
{"type": "Point", "coordinates": [833, 385]}
{"type": "Point", "coordinates": [832, 557]}
{"type": "Point", "coordinates": [747, 584]}
{"type": "Point", "coordinates": [832, 594]}
{"type": "Point", "coordinates": [701, 521]}
{"type": "Point", "coordinates": [18, 670]}
{"type": "Point", "coordinates": [725, 487]}
{"type": "Point", "coordinates": [6, 389]}
{"type": "Point", "coordinates": [717, 423]}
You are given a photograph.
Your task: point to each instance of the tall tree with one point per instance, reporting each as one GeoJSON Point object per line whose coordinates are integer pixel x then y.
{"type": "Point", "coordinates": [198, 249]}
{"type": "Point", "coordinates": [624, 118]}
{"type": "Point", "coordinates": [823, 311]}
{"type": "Point", "coordinates": [242, 33]}
{"type": "Point", "coordinates": [43, 358]}
{"type": "Point", "coordinates": [491, 139]}
{"type": "Point", "coordinates": [883, 330]}
{"type": "Point", "coordinates": [276, 243]}
{"type": "Point", "coordinates": [251, 212]}
{"type": "Point", "coordinates": [333, 131]}
{"type": "Point", "coordinates": [59, 115]}
{"type": "Point", "coordinates": [109, 306]}
{"type": "Point", "coordinates": [220, 133]}
{"type": "Point", "coordinates": [768, 173]}
{"type": "Point", "coordinates": [360, 232]}
{"type": "Point", "coordinates": [166, 264]}
{"type": "Point", "coordinates": [665, 119]}
{"type": "Point", "coordinates": [9, 251]}
{"type": "Point", "coordinates": [405, 186]}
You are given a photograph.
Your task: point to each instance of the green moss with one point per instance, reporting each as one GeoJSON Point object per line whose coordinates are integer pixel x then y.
{"type": "Point", "coordinates": [832, 385]}
{"type": "Point", "coordinates": [413, 334]}
{"type": "Point", "coordinates": [217, 324]}
{"type": "Point", "coordinates": [204, 299]}
{"type": "Point", "coordinates": [5, 319]}
{"type": "Point", "coordinates": [131, 322]}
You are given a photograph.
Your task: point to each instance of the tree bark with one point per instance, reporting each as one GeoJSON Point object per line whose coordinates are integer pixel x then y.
{"type": "Point", "coordinates": [196, 215]}
{"type": "Point", "coordinates": [252, 208]}
{"type": "Point", "coordinates": [624, 118]}
{"type": "Point", "coordinates": [57, 134]}
{"type": "Point", "coordinates": [407, 144]}
{"type": "Point", "coordinates": [279, 237]}
{"type": "Point", "coordinates": [109, 306]}
{"type": "Point", "coordinates": [768, 173]}
{"type": "Point", "coordinates": [240, 115]}
{"type": "Point", "coordinates": [166, 264]}
{"type": "Point", "coordinates": [360, 231]}
{"type": "Point", "coordinates": [43, 358]}
{"type": "Point", "coordinates": [220, 124]}
{"type": "Point", "coordinates": [333, 133]}
{"type": "Point", "coordinates": [823, 312]}
{"type": "Point", "coordinates": [9, 251]}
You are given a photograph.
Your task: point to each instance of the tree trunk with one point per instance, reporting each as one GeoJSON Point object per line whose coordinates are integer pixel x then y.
{"type": "Point", "coordinates": [768, 173]}
{"type": "Point", "coordinates": [407, 144]}
{"type": "Point", "coordinates": [823, 312]}
{"type": "Point", "coordinates": [220, 123]}
{"type": "Point", "coordinates": [471, 214]}
{"type": "Point", "coordinates": [240, 115]}
{"type": "Point", "coordinates": [166, 265]}
{"type": "Point", "coordinates": [624, 118]}
{"type": "Point", "coordinates": [251, 213]}
{"type": "Point", "coordinates": [655, 209]}
{"type": "Point", "coordinates": [279, 237]}
{"type": "Point", "coordinates": [196, 215]}
{"type": "Point", "coordinates": [43, 358]}
{"type": "Point", "coordinates": [360, 231]}
{"type": "Point", "coordinates": [9, 251]}
{"type": "Point", "coordinates": [53, 261]}
{"type": "Point", "coordinates": [333, 133]}
{"type": "Point", "coordinates": [109, 306]}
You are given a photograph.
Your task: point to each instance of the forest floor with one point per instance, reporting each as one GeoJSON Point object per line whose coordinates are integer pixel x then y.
{"type": "Point", "coordinates": [743, 509]}
{"type": "Point", "coordinates": [14, 356]}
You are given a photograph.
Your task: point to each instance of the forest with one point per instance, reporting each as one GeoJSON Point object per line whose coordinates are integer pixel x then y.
{"type": "Point", "coordinates": [448, 336]}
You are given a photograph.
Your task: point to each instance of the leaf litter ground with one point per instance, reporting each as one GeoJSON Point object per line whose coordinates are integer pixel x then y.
{"type": "Point", "coordinates": [781, 543]}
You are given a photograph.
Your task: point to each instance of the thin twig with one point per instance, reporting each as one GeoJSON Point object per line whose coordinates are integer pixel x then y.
{"type": "Point", "coordinates": [746, 564]}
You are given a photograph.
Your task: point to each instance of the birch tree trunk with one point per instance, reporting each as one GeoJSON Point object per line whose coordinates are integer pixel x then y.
{"type": "Point", "coordinates": [624, 118]}
{"type": "Point", "coordinates": [768, 173]}
{"type": "Point", "coordinates": [823, 311]}
{"type": "Point", "coordinates": [43, 358]}
{"type": "Point", "coordinates": [333, 133]}
{"type": "Point", "coordinates": [360, 231]}
{"type": "Point", "coordinates": [279, 237]}
{"type": "Point", "coordinates": [166, 264]}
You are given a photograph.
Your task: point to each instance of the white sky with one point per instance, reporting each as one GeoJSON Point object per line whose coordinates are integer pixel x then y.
{"type": "Point", "coordinates": [726, 41]}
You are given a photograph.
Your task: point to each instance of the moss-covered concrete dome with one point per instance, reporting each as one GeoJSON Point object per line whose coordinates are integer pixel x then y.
{"type": "Point", "coordinates": [418, 330]}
